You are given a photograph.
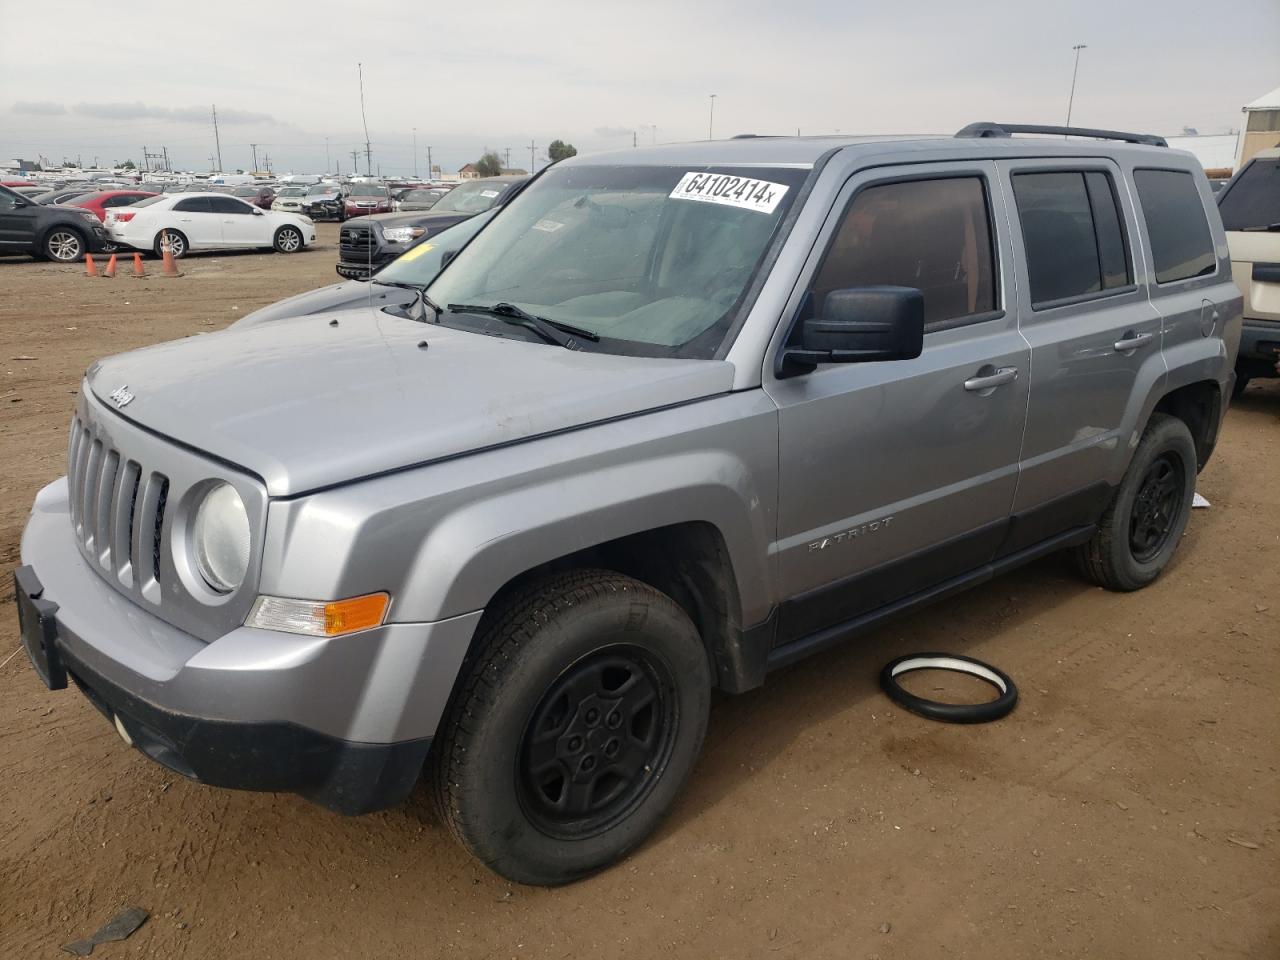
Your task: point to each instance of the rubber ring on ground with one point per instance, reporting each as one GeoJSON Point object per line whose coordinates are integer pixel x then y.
{"type": "Point", "coordinates": [950, 712]}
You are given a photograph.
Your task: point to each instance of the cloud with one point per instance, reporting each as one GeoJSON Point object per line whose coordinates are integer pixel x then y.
{"type": "Point", "coordinates": [39, 108]}
{"type": "Point", "coordinates": [141, 111]}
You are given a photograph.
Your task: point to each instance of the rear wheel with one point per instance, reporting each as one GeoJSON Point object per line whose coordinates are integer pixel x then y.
{"type": "Point", "coordinates": [574, 728]}
{"type": "Point", "coordinates": [178, 245]}
{"type": "Point", "coordinates": [64, 245]}
{"type": "Point", "coordinates": [288, 240]}
{"type": "Point", "coordinates": [1140, 529]}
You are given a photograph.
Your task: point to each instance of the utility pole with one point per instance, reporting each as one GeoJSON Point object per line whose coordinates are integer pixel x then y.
{"type": "Point", "coordinates": [254, 147]}
{"type": "Point", "coordinates": [1075, 70]}
{"type": "Point", "coordinates": [368, 150]}
{"type": "Point", "coordinates": [711, 121]}
{"type": "Point", "coordinates": [415, 153]}
{"type": "Point", "coordinates": [216, 139]}
{"type": "Point", "coordinates": [633, 139]}
{"type": "Point", "coordinates": [355, 166]}
{"type": "Point", "coordinates": [327, 163]}
{"type": "Point", "coordinates": [532, 155]}
{"type": "Point", "coordinates": [507, 164]}
{"type": "Point", "coordinates": [430, 169]}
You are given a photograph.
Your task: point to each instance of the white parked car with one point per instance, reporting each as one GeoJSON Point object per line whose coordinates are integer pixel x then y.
{"type": "Point", "coordinates": [206, 221]}
{"type": "Point", "coordinates": [289, 200]}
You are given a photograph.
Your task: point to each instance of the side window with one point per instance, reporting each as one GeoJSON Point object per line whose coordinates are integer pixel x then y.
{"type": "Point", "coordinates": [1252, 201]}
{"type": "Point", "coordinates": [1181, 244]}
{"type": "Point", "coordinates": [121, 201]}
{"type": "Point", "coordinates": [193, 205]}
{"type": "Point", "coordinates": [7, 200]}
{"type": "Point", "coordinates": [1073, 234]}
{"type": "Point", "coordinates": [229, 205]}
{"type": "Point", "coordinates": [934, 235]}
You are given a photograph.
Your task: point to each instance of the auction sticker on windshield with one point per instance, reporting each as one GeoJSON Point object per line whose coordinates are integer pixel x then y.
{"type": "Point", "coordinates": [759, 195]}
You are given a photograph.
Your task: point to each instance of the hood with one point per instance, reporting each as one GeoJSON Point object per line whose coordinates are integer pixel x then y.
{"type": "Point", "coordinates": [336, 296]}
{"type": "Point", "coordinates": [434, 221]}
{"type": "Point", "coordinates": [305, 404]}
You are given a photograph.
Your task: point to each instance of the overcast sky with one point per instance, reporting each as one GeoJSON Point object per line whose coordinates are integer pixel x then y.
{"type": "Point", "coordinates": [467, 76]}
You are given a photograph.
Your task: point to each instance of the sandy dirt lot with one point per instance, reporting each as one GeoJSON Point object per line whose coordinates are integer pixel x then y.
{"type": "Point", "coordinates": [1130, 807]}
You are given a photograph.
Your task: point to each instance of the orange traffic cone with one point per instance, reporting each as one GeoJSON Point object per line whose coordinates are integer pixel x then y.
{"type": "Point", "coordinates": [110, 272]}
{"type": "Point", "coordinates": [89, 269]}
{"type": "Point", "coordinates": [137, 266]}
{"type": "Point", "coordinates": [169, 267]}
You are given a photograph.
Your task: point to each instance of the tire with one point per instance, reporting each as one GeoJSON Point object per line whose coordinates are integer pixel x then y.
{"type": "Point", "coordinates": [1141, 527]}
{"type": "Point", "coordinates": [178, 244]}
{"type": "Point", "coordinates": [288, 240]}
{"type": "Point", "coordinates": [63, 245]}
{"type": "Point", "coordinates": [615, 678]}
{"type": "Point", "coordinates": [1001, 706]}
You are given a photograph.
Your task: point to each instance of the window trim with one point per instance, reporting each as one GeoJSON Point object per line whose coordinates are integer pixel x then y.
{"type": "Point", "coordinates": [1213, 246]}
{"type": "Point", "coordinates": [1125, 239]}
{"type": "Point", "coordinates": [937, 326]}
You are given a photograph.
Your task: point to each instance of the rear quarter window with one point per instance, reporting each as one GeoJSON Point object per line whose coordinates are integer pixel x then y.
{"type": "Point", "coordinates": [1181, 244]}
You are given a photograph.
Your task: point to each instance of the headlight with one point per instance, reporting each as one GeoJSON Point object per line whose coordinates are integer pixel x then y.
{"type": "Point", "coordinates": [403, 234]}
{"type": "Point", "coordinates": [220, 538]}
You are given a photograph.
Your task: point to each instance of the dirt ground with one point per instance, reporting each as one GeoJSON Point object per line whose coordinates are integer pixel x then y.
{"type": "Point", "coordinates": [1130, 806]}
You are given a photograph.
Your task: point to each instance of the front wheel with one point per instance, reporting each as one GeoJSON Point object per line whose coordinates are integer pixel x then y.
{"type": "Point", "coordinates": [1141, 527]}
{"type": "Point", "coordinates": [574, 728]}
{"type": "Point", "coordinates": [288, 240]}
{"type": "Point", "coordinates": [64, 245]}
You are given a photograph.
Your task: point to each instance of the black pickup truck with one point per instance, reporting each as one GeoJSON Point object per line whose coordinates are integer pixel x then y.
{"type": "Point", "coordinates": [366, 244]}
{"type": "Point", "coordinates": [61, 234]}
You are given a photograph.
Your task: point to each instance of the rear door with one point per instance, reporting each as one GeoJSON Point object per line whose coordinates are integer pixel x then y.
{"type": "Point", "coordinates": [898, 475]}
{"type": "Point", "coordinates": [1094, 336]}
{"type": "Point", "coordinates": [195, 218]}
{"type": "Point", "coordinates": [1250, 208]}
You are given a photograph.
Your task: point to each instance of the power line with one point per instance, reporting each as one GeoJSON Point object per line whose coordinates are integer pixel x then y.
{"type": "Point", "coordinates": [216, 139]}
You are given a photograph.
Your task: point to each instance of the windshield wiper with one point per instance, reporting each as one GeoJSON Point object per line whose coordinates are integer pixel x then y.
{"type": "Point", "coordinates": [1262, 228]}
{"type": "Point", "coordinates": [423, 301]}
{"type": "Point", "coordinates": [553, 331]}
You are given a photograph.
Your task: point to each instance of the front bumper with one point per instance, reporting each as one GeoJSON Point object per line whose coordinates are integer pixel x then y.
{"type": "Point", "coordinates": [346, 722]}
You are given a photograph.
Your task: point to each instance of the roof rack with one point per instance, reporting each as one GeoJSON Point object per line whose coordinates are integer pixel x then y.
{"type": "Point", "coordinates": [1007, 129]}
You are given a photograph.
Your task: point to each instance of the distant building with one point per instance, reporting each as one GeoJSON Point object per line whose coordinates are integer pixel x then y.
{"type": "Point", "coordinates": [1216, 152]}
{"type": "Point", "coordinates": [1261, 126]}
{"type": "Point", "coordinates": [21, 166]}
{"type": "Point", "coordinates": [469, 172]}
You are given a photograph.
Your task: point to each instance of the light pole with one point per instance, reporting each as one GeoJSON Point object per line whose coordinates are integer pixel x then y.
{"type": "Point", "coordinates": [711, 121]}
{"type": "Point", "coordinates": [1074, 70]}
{"type": "Point", "coordinates": [415, 153]}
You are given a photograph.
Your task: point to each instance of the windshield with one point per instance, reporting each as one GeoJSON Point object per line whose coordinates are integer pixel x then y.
{"type": "Point", "coordinates": [292, 192]}
{"type": "Point", "coordinates": [1253, 198]}
{"type": "Point", "coordinates": [422, 263]}
{"type": "Point", "coordinates": [322, 189]}
{"type": "Point", "coordinates": [473, 197]}
{"type": "Point", "coordinates": [421, 196]}
{"type": "Point", "coordinates": [368, 190]}
{"type": "Point", "coordinates": [654, 260]}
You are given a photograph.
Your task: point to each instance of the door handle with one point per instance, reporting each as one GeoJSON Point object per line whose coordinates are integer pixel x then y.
{"type": "Point", "coordinates": [1002, 376]}
{"type": "Point", "coordinates": [1129, 344]}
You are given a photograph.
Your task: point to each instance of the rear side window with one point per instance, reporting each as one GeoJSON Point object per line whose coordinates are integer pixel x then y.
{"type": "Point", "coordinates": [1181, 245]}
{"type": "Point", "coordinates": [933, 235]}
{"type": "Point", "coordinates": [193, 205]}
{"type": "Point", "coordinates": [1252, 201]}
{"type": "Point", "coordinates": [229, 205]}
{"type": "Point", "coordinates": [1073, 233]}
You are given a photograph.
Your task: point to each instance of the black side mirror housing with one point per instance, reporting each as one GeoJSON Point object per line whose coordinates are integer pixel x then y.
{"type": "Point", "coordinates": [858, 325]}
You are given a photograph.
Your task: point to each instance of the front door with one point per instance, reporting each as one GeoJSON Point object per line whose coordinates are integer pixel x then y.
{"type": "Point", "coordinates": [17, 223]}
{"type": "Point", "coordinates": [194, 216]}
{"type": "Point", "coordinates": [241, 226]}
{"type": "Point", "coordinates": [896, 476]}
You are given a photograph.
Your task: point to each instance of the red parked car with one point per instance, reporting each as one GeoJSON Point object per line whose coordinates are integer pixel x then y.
{"type": "Point", "coordinates": [366, 198]}
{"type": "Point", "coordinates": [258, 196]}
{"type": "Point", "coordinates": [99, 203]}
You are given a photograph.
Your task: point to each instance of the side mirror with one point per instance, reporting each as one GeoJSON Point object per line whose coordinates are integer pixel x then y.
{"type": "Point", "coordinates": [257, 211]}
{"type": "Point", "coordinates": [857, 325]}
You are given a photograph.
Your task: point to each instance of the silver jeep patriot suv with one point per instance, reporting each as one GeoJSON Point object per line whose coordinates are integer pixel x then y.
{"type": "Point", "coordinates": [674, 418]}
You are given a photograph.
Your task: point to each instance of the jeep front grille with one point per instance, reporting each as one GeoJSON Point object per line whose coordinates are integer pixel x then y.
{"type": "Point", "coordinates": [106, 490]}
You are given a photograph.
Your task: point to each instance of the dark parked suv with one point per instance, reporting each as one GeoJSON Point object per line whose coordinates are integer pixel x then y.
{"type": "Point", "coordinates": [366, 244]}
{"type": "Point", "coordinates": [58, 233]}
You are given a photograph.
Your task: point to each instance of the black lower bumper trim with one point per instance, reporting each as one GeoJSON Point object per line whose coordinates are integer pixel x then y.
{"type": "Point", "coordinates": [346, 777]}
